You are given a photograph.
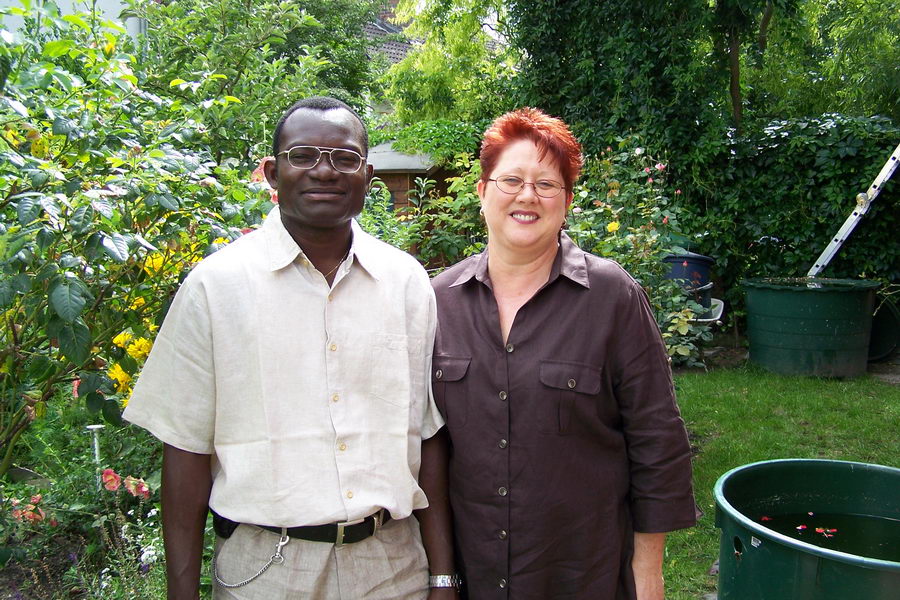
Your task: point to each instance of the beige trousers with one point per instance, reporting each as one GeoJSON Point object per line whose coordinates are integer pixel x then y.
{"type": "Point", "coordinates": [391, 565]}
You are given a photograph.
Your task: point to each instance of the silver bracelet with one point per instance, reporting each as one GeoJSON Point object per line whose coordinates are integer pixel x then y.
{"type": "Point", "coordinates": [444, 581]}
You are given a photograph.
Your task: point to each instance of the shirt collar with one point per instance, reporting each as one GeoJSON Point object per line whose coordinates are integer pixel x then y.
{"type": "Point", "coordinates": [282, 250]}
{"type": "Point", "coordinates": [570, 262]}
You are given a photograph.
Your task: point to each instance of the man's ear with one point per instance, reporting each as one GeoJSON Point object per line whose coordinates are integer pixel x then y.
{"type": "Point", "coordinates": [270, 170]}
{"type": "Point", "coordinates": [370, 173]}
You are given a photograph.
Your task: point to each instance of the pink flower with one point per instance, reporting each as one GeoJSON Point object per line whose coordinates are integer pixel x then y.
{"type": "Point", "coordinates": [646, 169]}
{"type": "Point", "coordinates": [649, 180]}
{"type": "Point", "coordinates": [36, 499]}
{"type": "Point", "coordinates": [677, 191]}
{"type": "Point", "coordinates": [684, 264]}
{"type": "Point", "coordinates": [75, 385]}
{"type": "Point", "coordinates": [259, 174]}
{"type": "Point", "coordinates": [660, 167]}
{"type": "Point", "coordinates": [666, 220]}
{"type": "Point", "coordinates": [111, 480]}
{"type": "Point", "coordinates": [273, 196]}
{"type": "Point", "coordinates": [54, 522]}
{"type": "Point", "coordinates": [137, 487]}
{"type": "Point", "coordinates": [35, 515]}
{"type": "Point", "coordinates": [609, 148]}
{"type": "Point", "coordinates": [17, 514]}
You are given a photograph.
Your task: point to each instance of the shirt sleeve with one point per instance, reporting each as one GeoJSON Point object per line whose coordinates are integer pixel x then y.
{"type": "Point", "coordinates": [659, 454]}
{"type": "Point", "coordinates": [431, 416]}
{"type": "Point", "coordinates": [174, 398]}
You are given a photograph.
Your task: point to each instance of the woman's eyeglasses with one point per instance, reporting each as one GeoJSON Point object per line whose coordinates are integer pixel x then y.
{"type": "Point", "coordinates": [545, 188]}
{"type": "Point", "coordinates": [307, 157]}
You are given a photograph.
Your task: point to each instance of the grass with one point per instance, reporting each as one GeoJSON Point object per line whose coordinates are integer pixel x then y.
{"type": "Point", "coordinates": [743, 415]}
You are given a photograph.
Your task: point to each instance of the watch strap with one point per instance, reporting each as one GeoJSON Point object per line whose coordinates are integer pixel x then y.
{"type": "Point", "coordinates": [444, 581]}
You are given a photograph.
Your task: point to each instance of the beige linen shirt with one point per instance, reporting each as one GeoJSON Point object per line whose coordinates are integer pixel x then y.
{"type": "Point", "coordinates": [312, 400]}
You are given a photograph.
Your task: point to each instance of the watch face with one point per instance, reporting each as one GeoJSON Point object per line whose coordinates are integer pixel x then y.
{"type": "Point", "coordinates": [444, 581]}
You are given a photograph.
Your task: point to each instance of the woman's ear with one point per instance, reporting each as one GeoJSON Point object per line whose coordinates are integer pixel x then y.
{"type": "Point", "coordinates": [479, 187]}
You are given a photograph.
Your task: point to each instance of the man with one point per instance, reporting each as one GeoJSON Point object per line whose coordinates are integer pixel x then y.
{"type": "Point", "coordinates": [289, 384]}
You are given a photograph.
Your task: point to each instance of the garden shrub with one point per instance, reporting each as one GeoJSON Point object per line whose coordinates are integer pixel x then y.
{"type": "Point", "coordinates": [218, 61]}
{"type": "Point", "coordinates": [775, 196]}
{"type": "Point", "coordinates": [106, 199]}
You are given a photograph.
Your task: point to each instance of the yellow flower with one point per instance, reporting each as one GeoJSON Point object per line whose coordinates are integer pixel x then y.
{"type": "Point", "coordinates": [220, 240]}
{"type": "Point", "coordinates": [153, 264]}
{"type": "Point", "coordinates": [119, 375]}
{"type": "Point", "coordinates": [125, 399]}
{"type": "Point", "coordinates": [122, 339]}
{"type": "Point", "coordinates": [613, 227]}
{"type": "Point", "coordinates": [138, 303]}
{"type": "Point", "coordinates": [139, 348]}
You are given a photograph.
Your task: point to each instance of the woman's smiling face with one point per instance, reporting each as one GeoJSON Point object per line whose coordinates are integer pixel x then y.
{"type": "Point", "coordinates": [523, 221]}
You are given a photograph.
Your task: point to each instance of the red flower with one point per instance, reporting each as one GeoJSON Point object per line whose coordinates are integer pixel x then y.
{"type": "Point", "coordinates": [36, 499]}
{"type": "Point", "coordinates": [765, 518]}
{"type": "Point", "coordinates": [665, 220]}
{"type": "Point", "coordinates": [801, 527]}
{"type": "Point", "coordinates": [111, 480]}
{"type": "Point", "coordinates": [137, 487]}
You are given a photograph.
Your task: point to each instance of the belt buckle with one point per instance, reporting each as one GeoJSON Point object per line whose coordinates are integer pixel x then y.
{"type": "Point", "coordinates": [339, 538]}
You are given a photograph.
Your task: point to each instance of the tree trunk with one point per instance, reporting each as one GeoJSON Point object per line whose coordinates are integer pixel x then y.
{"type": "Point", "coordinates": [734, 64]}
{"type": "Point", "coordinates": [764, 23]}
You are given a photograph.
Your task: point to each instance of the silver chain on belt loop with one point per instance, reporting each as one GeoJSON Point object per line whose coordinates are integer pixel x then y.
{"type": "Point", "coordinates": [276, 559]}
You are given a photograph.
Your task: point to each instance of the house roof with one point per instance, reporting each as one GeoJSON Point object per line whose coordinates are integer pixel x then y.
{"type": "Point", "coordinates": [387, 160]}
{"type": "Point", "coordinates": [387, 39]}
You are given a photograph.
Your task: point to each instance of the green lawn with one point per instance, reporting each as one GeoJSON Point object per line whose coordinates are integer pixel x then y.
{"type": "Point", "coordinates": [743, 415]}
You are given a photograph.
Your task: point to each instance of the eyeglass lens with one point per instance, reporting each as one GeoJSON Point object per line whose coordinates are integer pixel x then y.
{"type": "Point", "coordinates": [513, 185]}
{"type": "Point", "coordinates": [307, 157]}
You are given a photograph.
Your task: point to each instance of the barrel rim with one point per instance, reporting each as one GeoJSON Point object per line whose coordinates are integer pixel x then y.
{"type": "Point", "coordinates": [779, 538]}
{"type": "Point", "coordinates": [802, 284]}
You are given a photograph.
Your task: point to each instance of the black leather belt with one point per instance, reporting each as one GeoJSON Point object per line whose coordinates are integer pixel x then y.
{"type": "Point", "coordinates": [334, 533]}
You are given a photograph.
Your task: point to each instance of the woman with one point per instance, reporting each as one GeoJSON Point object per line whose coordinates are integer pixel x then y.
{"type": "Point", "coordinates": [569, 459]}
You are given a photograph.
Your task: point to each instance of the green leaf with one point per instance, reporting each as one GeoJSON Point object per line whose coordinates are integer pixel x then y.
{"type": "Point", "coordinates": [93, 400]}
{"type": "Point", "coordinates": [168, 201]}
{"type": "Point", "coordinates": [90, 382]}
{"type": "Point", "coordinates": [111, 412]}
{"type": "Point", "coordinates": [57, 48]}
{"type": "Point", "coordinates": [74, 339]}
{"type": "Point", "coordinates": [176, 82]}
{"type": "Point", "coordinates": [82, 219]}
{"type": "Point", "coordinates": [63, 126]}
{"type": "Point", "coordinates": [103, 206]}
{"type": "Point", "coordinates": [17, 106]}
{"type": "Point", "coordinates": [28, 209]}
{"type": "Point", "coordinates": [233, 99]}
{"type": "Point", "coordinates": [76, 20]}
{"type": "Point", "coordinates": [116, 247]}
{"type": "Point", "coordinates": [68, 299]}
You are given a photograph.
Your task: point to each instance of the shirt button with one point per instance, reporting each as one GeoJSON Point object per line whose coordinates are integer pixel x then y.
{"type": "Point", "coordinates": [349, 494]}
{"type": "Point", "coordinates": [335, 397]}
{"type": "Point", "coordinates": [438, 374]}
{"type": "Point", "coordinates": [329, 297]}
{"type": "Point", "coordinates": [571, 384]}
{"type": "Point", "coordinates": [503, 444]}
{"type": "Point", "coordinates": [342, 446]}
{"type": "Point", "coordinates": [502, 535]}
{"type": "Point", "coordinates": [332, 347]}
{"type": "Point", "coordinates": [510, 347]}
{"type": "Point", "coordinates": [503, 395]}
{"type": "Point", "coordinates": [502, 583]}
{"type": "Point", "coordinates": [503, 491]}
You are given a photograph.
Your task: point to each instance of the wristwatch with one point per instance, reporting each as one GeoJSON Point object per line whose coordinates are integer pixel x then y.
{"type": "Point", "coordinates": [444, 581]}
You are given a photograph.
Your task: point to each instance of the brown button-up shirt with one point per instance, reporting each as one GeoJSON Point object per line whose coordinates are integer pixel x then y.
{"type": "Point", "coordinates": [565, 439]}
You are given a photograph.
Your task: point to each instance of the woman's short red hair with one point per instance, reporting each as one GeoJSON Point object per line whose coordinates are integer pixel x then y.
{"type": "Point", "coordinates": [550, 135]}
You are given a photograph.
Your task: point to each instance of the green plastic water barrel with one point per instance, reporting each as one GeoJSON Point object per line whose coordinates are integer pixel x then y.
{"type": "Point", "coordinates": [810, 326]}
{"type": "Point", "coordinates": [758, 563]}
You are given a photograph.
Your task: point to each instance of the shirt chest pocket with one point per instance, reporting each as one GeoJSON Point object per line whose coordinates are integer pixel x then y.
{"type": "Point", "coordinates": [449, 384]}
{"type": "Point", "coordinates": [565, 384]}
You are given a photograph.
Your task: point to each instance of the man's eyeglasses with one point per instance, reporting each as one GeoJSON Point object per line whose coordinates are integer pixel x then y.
{"type": "Point", "coordinates": [307, 157]}
{"type": "Point", "coordinates": [545, 188]}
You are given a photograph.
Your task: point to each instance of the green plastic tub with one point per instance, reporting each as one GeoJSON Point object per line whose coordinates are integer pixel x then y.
{"type": "Point", "coordinates": [810, 326]}
{"type": "Point", "coordinates": [825, 508]}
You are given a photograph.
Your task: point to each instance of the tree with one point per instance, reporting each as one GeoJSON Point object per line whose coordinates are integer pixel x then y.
{"type": "Point", "coordinates": [254, 58]}
{"type": "Point", "coordinates": [833, 57]}
{"type": "Point", "coordinates": [457, 70]}
{"type": "Point", "coordinates": [610, 67]}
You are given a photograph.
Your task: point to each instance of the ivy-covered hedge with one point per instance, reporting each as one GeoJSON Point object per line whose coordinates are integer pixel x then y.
{"type": "Point", "coordinates": [777, 195]}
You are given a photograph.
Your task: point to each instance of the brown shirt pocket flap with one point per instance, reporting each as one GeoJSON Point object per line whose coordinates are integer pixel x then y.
{"type": "Point", "coordinates": [449, 368]}
{"type": "Point", "coordinates": [577, 377]}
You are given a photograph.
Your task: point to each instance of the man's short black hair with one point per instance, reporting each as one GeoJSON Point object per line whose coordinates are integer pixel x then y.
{"type": "Point", "coordinates": [320, 103]}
